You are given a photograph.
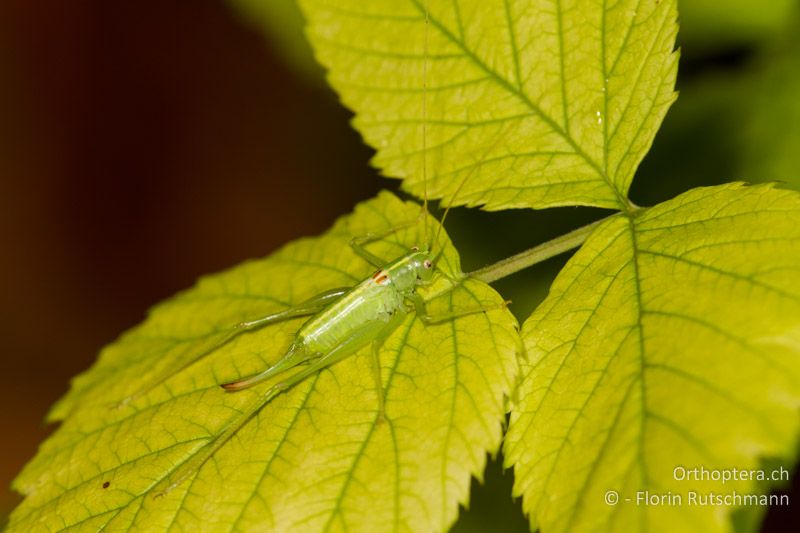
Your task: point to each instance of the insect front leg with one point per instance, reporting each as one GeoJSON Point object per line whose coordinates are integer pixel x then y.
{"type": "Point", "coordinates": [428, 320]}
{"type": "Point", "coordinates": [357, 244]}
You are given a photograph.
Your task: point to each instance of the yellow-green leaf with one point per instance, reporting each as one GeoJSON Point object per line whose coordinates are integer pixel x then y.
{"type": "Point", "coordinates": [532, 103]}
{"type": "Point", "coordinates": [672, 338]}
{"type": "Point", "coordinates": [317, 456]}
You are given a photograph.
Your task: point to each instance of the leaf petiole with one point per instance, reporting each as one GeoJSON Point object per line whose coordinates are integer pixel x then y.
{"type": "Point", "coordinates": [537, 254]}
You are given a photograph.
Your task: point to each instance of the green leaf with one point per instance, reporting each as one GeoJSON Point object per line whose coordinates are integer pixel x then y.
{"type": "Point", "coordinates": [670, 339]}
{"type": "Point", "coordinates": [316, 455]}
{"type": "Point", "coordinates": [532, 103]}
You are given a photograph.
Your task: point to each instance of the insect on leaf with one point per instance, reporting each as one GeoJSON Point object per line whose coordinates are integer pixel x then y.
{"type": "Point", "coordinates": [314, 457]}
{"type": "Point", "coordinates": [539, 103]}
{"type": "Point", "coordinates": [669, 340]}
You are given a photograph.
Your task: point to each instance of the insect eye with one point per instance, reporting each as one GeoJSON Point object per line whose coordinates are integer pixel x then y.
{"type": "Point", "coordinates": [415, 248]}
{"type": "Point", "coordinates": [427, 263]}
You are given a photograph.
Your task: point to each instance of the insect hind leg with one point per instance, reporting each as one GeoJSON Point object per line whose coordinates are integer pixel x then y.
{"type": "Point", "coordinates": [308, 307]}
{"type": "Point", "coordinates": [296, 355]}
{"type": "Point", "coordinates": [375, 332]}
{"type": "Point", "coordinates": [199, 457]}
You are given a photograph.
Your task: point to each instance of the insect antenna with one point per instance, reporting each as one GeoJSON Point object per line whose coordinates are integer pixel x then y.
{"type": "Point", "coordinates": [425, 120]}
{"type": "Point", "coordinates": [425, 134]}
{"type": "Point", "coordinates": [444, 216]}
{"type": "Point", "coordinates": [435, 238]}
{"type": "Point", "coordinates": [453, 197]}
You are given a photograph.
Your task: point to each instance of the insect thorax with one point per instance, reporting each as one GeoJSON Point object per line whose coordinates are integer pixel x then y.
{"type": "Point", "coordinates": [405, 272]}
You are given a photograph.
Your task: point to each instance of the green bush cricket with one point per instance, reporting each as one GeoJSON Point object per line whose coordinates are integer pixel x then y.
{"type": "Point", "coordinates": [345, 320]}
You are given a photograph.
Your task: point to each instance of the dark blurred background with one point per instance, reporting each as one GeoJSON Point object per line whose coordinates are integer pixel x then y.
{"type": "Point", "coordinates": [144, 143]}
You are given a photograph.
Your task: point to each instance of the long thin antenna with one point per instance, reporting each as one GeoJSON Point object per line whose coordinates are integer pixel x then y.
{"type": "Point", "coordinates": [425, 120]}
{"type": "Point", "coordinates": [469, 174]}
{"type": "Point", "coordinates": [454, 196]}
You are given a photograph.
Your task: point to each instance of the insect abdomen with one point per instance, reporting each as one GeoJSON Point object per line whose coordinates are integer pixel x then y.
{"type": "Point", "coordinates": [366, 303]}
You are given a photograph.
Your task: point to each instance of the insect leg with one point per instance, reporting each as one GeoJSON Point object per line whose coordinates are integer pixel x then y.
{"type": "Point", "coordinates": [427, 319]}
{"type": "Point", "coordinates": [376, 373]}
{"type": "Point", "coordinates": [377, 332]}
{"type": "Point", "coordinates": [393, 323]}
{"type": "Point", "coordinates": [353, 343]}
{"type": "Point", "coordinates": [204, 453]}
{"type": "Point", "coordinates": [357, 244]}
{"type": "Point", "coordinates": [308, 307]}
{"type": "Point", "coordinates": [296, 355]}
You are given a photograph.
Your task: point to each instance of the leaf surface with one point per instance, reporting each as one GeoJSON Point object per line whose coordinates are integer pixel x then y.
{"type": "Point", "coordinates": [670, 339]}
{"type": "Point", "coordinates": [532, 103]}
{"type": "Point", "coordinates": [316, 457]}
